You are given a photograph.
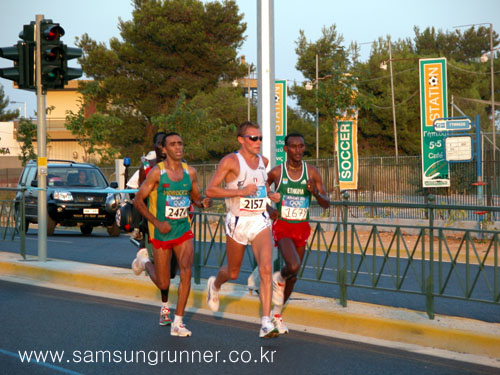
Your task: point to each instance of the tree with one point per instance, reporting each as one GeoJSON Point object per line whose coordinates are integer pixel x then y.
{"type": "Point", "coordinates": [4, 102]}
{"type": "Point", "coordinates": [467, 79]}
{"type": "Point", "coordinates": [334, 95]}
{"type": "Point", "coordinates": [207, 127]}
{"type": "Point", "coordinates": [26, 135]}
{"type": "Point", "coordinates": [92, 133]}
{"type": "Point", "coordinates": [168, 47]}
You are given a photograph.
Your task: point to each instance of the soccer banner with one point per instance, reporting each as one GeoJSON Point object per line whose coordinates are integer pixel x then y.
{"type": "Point", "coordinates": [433, 105]}
{"type": "Point", "coordinates": [346, 146]}
{"type": "Point", "coordinates": [280, 105]}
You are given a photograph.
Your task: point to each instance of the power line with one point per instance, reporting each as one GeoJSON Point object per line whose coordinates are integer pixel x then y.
{"type": "Point", "coordinates": [470, 71]}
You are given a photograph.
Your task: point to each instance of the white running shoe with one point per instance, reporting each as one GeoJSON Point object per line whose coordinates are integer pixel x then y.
{"type": "Point", "coordinates": [212, 295]}
{"type": "Point", "coordinates": [268, 330]}
{"type": "Point", "coordinates": [278, 323]}
{"type": "Point", "coordinates": [137, 263]}
{"type": "Point", "coordinates": [179, 330]}
{"type": "Point", "coordinates": [278, 289]}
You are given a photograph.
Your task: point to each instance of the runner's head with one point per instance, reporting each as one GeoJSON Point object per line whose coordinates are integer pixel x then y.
{"type": "Point", "coordinates": [250, 137]}
{"type": "Point", "coordinates": [158, 145]}
{"type": "Point", "coordinates": [295, 146]}
{"type": "Point", "coordinates": [173, 146]}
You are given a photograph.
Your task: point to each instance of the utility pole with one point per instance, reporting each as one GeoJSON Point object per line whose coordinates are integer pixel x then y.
{"type": "Point", "coordinates": [317, 112]}
{"type": "Point", "coordinates": [265, 69]}
{"type": "Point", "coordinates": [42, 146]}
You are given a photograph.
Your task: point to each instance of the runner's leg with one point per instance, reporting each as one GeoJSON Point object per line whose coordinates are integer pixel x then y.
{"type": "Point", "coordinates": [262, 250]}
{"type": "Point", "coordinates": [291, 280]}
{"type": "Point", "coordinates": [234, 253]}
{"type": "Point", "coordinates": [184, 253]}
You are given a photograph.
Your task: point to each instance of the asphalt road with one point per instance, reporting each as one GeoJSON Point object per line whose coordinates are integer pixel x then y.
{"type": "Point", "coordinates": [99, 248]}
{"type": "Point", "coordinates": [94, 335]}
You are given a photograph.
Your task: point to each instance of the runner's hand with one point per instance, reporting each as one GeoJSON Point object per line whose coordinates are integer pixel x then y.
{"type": "Point", "coordinates": [250, 189]}
{"type": "Point", "coordinates": [273, 213]}
{"type": "Point", "coordinates": [311, 186]}
{"type": "Point", "coordinates": [206, 202]}
{"type": "Point", "coordinates": [274, 196]}
{"type": "Point", "coordinates": [163, 226]}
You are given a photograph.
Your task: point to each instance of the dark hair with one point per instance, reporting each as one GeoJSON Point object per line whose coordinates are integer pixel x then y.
{"type": "Point", "coordinates": [169, 134]}
{"type": "Point", "coordinates": [242, 128]}
{"type": "Point", "coordinates": [158, 137]}
{"type": "Point", "coordinates": [293, 135]}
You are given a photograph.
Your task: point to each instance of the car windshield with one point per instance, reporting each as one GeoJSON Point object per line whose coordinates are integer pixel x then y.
{"type": "Point", "coordinates": [71, 176]}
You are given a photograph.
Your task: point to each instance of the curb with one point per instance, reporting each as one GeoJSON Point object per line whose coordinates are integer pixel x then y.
{"type": "Point", "coordinates": [308, 313]}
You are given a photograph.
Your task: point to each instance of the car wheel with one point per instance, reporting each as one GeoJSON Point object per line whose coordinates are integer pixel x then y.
{"type": "Point", "coordinates": [51, 226]}
{"type": "Point", "coordinates": [86, 229]}
{"type": "Point", "coordinates": [114, 230]}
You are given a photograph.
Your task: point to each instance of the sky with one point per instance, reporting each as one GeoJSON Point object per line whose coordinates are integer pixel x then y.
{"type": "Point", "coordinates": [362, 21]}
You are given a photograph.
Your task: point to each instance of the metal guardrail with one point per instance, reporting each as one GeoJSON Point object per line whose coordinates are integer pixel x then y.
{"type": "Point", "coordinates": [337, 253]}
{"type": "Point", "coordinates": [12, 222]}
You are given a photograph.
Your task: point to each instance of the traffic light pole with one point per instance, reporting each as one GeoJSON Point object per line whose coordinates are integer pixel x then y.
{"type": "Point", "coordinates": [42, 148]}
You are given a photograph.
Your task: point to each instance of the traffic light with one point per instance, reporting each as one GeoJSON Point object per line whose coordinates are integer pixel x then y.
{"type": "Point", "coordinates": [52, 55]}
{"type": "Point", "coordinates": [23, 56]}
{"type": "Point", "coordinates": [55, 56]}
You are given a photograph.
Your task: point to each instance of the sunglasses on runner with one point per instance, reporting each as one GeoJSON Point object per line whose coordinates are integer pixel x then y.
{"type": "Point", "coordinates": [253, 138]}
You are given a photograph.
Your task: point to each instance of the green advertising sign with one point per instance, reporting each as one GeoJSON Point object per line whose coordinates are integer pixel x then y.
{"type": "Point", "coordinates": [346, 145]}
{"type": "Point", "coordinates": [433, 105]}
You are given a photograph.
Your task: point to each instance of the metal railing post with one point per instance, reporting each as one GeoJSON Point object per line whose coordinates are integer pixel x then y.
{"type": "Point", "coordinates": [197, 222]}
{"type": "Point", "coordinates": [429, 283]}
{"type": "Point", "coordinates": [22, 224]}
{"type": "Point", "coordinates": [342, 276]}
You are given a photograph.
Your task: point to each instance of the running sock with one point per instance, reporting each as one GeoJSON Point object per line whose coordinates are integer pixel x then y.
{"type": "Point", "coordinates": [177, 319]}
{"type": "Point", "coordinates": [277, 310]}
{"type": "Point", "coordinates": [165, 305]}
{"type": "Point", "coordinates": [281, 280]}
{"type": "Point", "coordinates": [144, 261]}
{"type": "Point", "coordinates": [265, 319]}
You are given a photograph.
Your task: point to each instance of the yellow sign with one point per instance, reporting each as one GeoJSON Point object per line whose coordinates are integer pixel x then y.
{"type": "Point", "coordinates": [280, 117]}
{"type": "Point", "coordinates": [434, 92]}
{"type": "Point", "coordinates": [279, 100]}
{"type": "Point", "coordinates": [42, 161]}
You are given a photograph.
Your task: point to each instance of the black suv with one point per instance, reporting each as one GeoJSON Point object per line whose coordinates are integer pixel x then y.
{"type": "Point", "coordinates": [76, 195]}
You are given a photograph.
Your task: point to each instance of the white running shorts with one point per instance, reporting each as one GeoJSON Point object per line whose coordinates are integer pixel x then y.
{"type": "Point", "coordinates": [244, 229]}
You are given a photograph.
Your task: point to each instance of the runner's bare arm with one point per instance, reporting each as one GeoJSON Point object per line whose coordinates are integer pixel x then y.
{"type": "Point", "coordinates": [272, 178]}
{"type": "Point", "coordinates": [145, 189]}
{"type": "Point", "coordinates": [228, 166]}
{"type": "Point", "coordinates": [315, 186]}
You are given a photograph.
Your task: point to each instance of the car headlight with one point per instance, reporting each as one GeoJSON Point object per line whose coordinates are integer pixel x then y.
{"type": "Point", "coordinates": [63, 196]}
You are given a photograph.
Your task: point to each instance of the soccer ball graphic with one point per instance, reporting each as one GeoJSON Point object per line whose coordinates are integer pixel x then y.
{"type": "Point", "coordinates": [433, 81]}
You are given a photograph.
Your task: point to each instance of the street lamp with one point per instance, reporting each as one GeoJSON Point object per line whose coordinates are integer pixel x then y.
{"type": "Point", "coordinates": [13, 102]}
{"type": "Point", "coordinates": [484, 59]}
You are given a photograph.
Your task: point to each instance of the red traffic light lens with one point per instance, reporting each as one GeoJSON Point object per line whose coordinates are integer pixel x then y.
{"type": "Point", "coordinates": [53, 33]}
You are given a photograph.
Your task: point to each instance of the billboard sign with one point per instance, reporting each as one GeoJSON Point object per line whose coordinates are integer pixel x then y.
{"type": "Point", "coordinates": [433, 106]}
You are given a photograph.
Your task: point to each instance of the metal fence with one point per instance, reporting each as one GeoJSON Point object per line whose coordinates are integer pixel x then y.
{"type": "Point", "coordinates": [438, 260]}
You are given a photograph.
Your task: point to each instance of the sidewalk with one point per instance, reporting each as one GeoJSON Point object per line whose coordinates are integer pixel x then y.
{"type": "Point", "coordinates": [456, 338]}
